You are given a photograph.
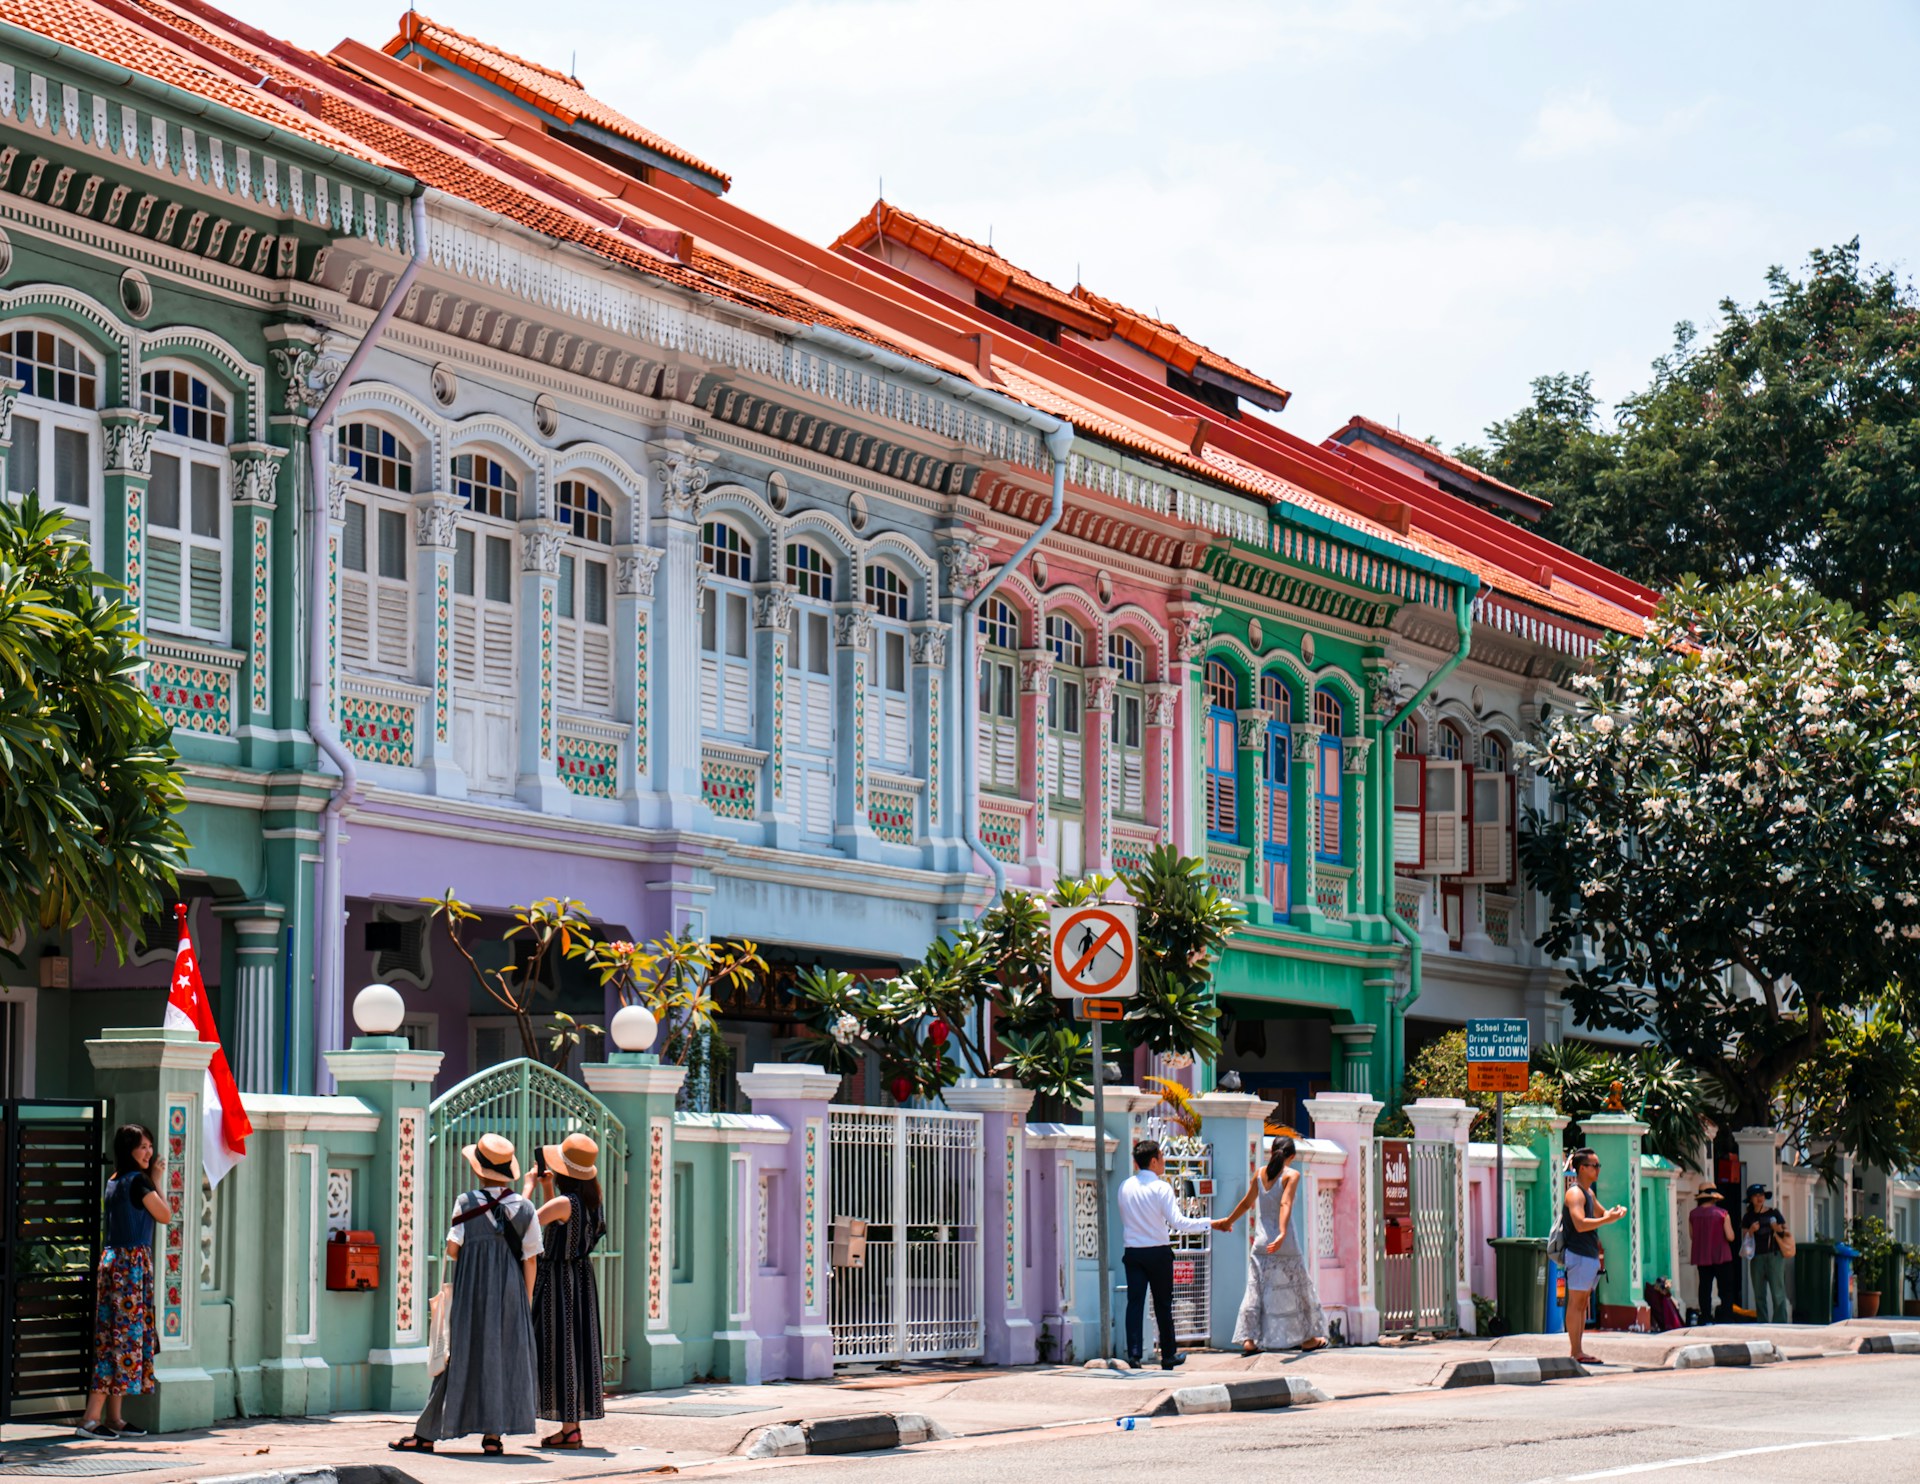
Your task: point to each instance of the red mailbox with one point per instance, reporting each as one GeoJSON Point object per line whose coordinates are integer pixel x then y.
{"type": "Point", "coordinates": [353, 1261]}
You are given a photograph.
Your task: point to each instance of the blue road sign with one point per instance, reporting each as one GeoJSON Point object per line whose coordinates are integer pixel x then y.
{"type": "Point", "coordinates": [1498, 1040]}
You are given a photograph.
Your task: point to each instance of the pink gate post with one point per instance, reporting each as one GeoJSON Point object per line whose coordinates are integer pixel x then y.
{"type": "Point", "coordinates": [1345, 1120]}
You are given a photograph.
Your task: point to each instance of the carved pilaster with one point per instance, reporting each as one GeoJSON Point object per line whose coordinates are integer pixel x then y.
{"type": "Point", "coordinates": [129, 440]}
{"type": "Point", "coordinates": [1036, 669]}
{"type": "Point", "coordinates": [1253, 729]}
{"type": "Point", "coordinates": [930, 645]}
{"type": "Point", "coordinates": [1100, 683]}
{"type": "Point", "coordinates": [773, 607]}
{"type": "Point", "coordinates": [1354, 754]}
{"type": "Point", "coordinates": [339, 478]}
{"type": "Point", "coordinates": [634, 568]}
{"type": "Point", "coordinates": [10, 389]}
{"type": "Point", "coordinates": [1162, 703]}
{"type": "Point", "coordinates": [683, 480]}
{"type": "Point", "coordinates": [540, 542]}
{"type": "Point", "coordinates": [964, 565]}
{"type": "Point", "coordinates": [853, 628]}
{"type": "Point", "coordinates": [1192, 631]}
{"type": "Point", "coordinates": [256, 473]}
{"type": "Point", "coordinates": [435, 518]}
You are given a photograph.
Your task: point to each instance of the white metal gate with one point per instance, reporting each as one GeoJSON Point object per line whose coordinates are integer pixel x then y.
{"type": "Point", "coordinates": [1190, 1173]}
{"type": "Point", "coordinates": [1414, 1287]}
{"type": "Point", "coordinates": [915, 1177]}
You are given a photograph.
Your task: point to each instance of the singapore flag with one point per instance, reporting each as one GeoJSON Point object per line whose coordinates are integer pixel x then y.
{"type": "Point", "coordinates": [224, 1125]}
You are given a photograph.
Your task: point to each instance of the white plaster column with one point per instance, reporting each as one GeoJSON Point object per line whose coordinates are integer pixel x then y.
{"type": "Point", "coordinates": [635, 570]}
{"type": "Point", "coordinates": [252, 992]}
{"type": "Point", "coordinates": [540, 787]}
{"type": "Point", "coordinates": [852, 681]}
{"type": "Point", "coordinates": [1163, 710]}
{"type": "Point", "coordinates": [435, 519]}
{"type": "Point", "coordinates": [1097, 769]}
{"type": "Point", "coordinates": [255, 470]}
{"type": "Point", "coordinates": [676, 771]}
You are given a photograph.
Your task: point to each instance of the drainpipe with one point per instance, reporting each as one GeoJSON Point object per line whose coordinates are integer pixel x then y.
{"type": "Point", "coordinates": [329, 959]}
{"type": "Point", "coordinates": [1059, 442]}
{"type": "Point", "coordinates": [1400, 1003]}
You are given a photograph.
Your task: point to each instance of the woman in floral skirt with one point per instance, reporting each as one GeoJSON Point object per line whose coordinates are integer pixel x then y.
{"type": "Point", "coordinates": [124, 1337]}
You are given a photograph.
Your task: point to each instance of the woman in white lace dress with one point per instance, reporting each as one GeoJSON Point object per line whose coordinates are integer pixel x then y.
{"type": "Point", "coordinates": [1281, 1310]}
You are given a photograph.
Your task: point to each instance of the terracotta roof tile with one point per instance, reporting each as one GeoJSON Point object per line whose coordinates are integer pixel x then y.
{"type": "Point", "coordinates": [979, 265]}
{"type": "Point", "coordinates": [1168, 343]}
{"type": "Point", "coordinates": [1421, 449]}
{"type": "Point", "coordinates": [547, 89]}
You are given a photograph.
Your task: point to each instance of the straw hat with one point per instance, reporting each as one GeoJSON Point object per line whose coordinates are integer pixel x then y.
{"type": "Point", "coordinates": [576, 1156]}
{"type": "Point", "coordinates": [1709, 1193]}
{"type": "Point", "coordinates": [493, 1159]}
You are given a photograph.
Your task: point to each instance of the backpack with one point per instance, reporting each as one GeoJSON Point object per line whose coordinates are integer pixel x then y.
{"type": "Point", "coordinates": [1557, 1233]}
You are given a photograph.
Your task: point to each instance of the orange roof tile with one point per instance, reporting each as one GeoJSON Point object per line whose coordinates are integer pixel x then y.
{"type": "Point", "coordinates": [1182, 352]}
{"type": "Point", "coordinates": [980, 266]}
{"type": "Point", "coordinates": [549, 90]}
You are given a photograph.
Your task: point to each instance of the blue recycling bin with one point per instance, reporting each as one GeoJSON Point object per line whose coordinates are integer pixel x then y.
{"type": "Point", "coordinates": [1556, 1320]}
{"type": "Point", "coordinates": [1843, 1256]}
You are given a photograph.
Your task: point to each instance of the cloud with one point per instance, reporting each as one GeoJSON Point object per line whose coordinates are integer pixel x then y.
{"type": "Point", "coordinates": [1582, 124]}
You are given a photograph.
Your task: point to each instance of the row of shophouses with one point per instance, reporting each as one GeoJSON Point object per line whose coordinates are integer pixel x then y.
{"type": "Point", "coordinates": [512, 513]}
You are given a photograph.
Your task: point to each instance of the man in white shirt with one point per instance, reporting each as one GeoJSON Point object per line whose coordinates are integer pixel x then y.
{"type": "Point", "coordinates": [1150, 1218]}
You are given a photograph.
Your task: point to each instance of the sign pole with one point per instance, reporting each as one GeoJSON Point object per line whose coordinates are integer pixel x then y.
{"type": "Point", "coordinates": [1500, 1162]}
{"type": "Point", "coordinates": [1100, 1193]}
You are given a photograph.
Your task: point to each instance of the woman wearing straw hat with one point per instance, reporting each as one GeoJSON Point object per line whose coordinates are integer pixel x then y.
{"type": "Point", "coordinates": [1711, 1230]}
{"type": "Point", "coordinates": [566, 1300]}
{"type": "Point", "coordinates": [494, 1243]}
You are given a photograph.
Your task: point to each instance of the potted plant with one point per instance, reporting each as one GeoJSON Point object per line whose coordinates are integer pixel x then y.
{"type": "Point", "coordinates": [1873, 1246]}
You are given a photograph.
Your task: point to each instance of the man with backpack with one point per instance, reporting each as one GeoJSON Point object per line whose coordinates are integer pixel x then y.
{"type": "Point", "coordinates": [1575, 1243]}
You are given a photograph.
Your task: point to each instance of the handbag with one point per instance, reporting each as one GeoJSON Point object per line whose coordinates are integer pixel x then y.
{"type": "Point", "coordinates": [1783, 1241]}
{"type": "Point", "coordinates": [439, 1329]}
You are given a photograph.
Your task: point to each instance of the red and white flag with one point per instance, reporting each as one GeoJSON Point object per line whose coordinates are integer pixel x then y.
{"type": "Point", "coordinates": [224, 1124]}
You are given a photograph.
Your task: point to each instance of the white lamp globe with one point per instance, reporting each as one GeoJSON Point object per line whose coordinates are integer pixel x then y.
{"type": "Point", "coordinates": [634, 1028]}
{"type": "Point", "coordinates": [378, 1010]}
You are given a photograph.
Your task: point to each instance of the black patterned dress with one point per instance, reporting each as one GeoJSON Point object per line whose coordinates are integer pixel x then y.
{"type": "Point", "coordinates": [566, 1318]}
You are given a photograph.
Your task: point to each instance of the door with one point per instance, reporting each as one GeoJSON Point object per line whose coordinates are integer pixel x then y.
{"type": "Point", "coordinates": [49, 1250]}
{"type": "Point", "coordinates": [485, 660]}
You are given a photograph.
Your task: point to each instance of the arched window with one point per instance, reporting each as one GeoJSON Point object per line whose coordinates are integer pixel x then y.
{"type": "Point", "coordinates": [1329, 715]}
{"type": "Point", "coordinates": [55, 430]}
{"type": "Point", "coordinates": [888, 592]}
{"type": "Point", "coordinates": [891, 739]}
{"type": "Point", "coordinates": [726, 654]}
{"type": "Point", "coordinates": [999, 721]}
{"type": "Point", "coordinates": [726, 552]}
{"type": "Point", "coordinates": [376, 601]}
{"type": "Point", "coordinates": [583, 639]}
{"type": "Point", "coordinates": [1452, 745]}
{"type": "Point", "coordinates": [1493, 813]}
{"type": "Point", "coordinates": [186, 572]}
{"type": "Point", "coordinates": [1493, 753]}
{"type": "Point", "coordinates": [377, 456]}
{"type": "Point", "coordinates": [1128, 661]}
{"type": "Point", "coordinates": [1406, 741]}
{"type": "Point", "coordinates": [810, 571]}
{"type": "Point", "coordinates": [486, 486]}
{"type": "Point", "coordinates": [586, 512]}
{"type": "Point", "coordinates": [1276, 849]}
{"type": "Point", "coordinates": [1223, 796]}
{"type": "Point", "coordinates": [809, 700]}
{"type": "Point", "coordinates": [1067, 646]}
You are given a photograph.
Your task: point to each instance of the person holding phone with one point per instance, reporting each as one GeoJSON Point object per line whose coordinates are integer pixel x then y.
{"type": "Point", "coordinates": [124, 1335]}
{"type": "Point", "coordinates": [566, 1298]}
{"type": "Point", "coordinates": [1584, 1217]}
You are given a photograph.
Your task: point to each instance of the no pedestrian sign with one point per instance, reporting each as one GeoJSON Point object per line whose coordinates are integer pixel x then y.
{"type": "Point", "coordinates": [1095, 952]}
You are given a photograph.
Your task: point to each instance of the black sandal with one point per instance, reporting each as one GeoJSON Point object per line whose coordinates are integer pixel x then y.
{"type": "Point", "coordinates": [567, 1437]}
{"type": "Point", "coordinates": [492, 1447]}
{"type": "Point", "coordinates": [412, 1443]}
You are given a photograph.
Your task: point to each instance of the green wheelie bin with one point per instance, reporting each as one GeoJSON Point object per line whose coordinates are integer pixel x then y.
{"type": "Point", "coordinates": [1813, 1283]}
{"type": "Point", "coordinates": [1520, 1284]}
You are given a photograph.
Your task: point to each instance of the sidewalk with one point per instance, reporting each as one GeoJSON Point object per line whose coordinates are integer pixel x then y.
{"type": "Point", "coordinates": [698, 1426]}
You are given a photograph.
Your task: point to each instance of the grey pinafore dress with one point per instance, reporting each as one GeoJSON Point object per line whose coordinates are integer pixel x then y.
{"type": "Point", "coordinates": [488, 1385]}
{"type": "Point", "coordinates": [1281, 1310]}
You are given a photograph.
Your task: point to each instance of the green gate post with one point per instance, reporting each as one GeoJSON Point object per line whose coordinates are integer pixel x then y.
{"type": "Point", "coordinates": [1615, 1137]}
{"type": "Point", "coordinates": [158, 1078]}
{"type": "Point", "coordinates": [1546, 1137]}
{"type": "Point", "coordinates": [386, 1074]}
{"type": "Point", "coordinates": [640, 1093]}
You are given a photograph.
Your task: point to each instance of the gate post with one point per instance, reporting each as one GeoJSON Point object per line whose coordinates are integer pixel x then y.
{"type": "Point", "coordinates": [640, 1092]}
{"type": "Point", "coordinates": [1346, 1119]}
{"type": "Point", "coordinates": [1008, 1331]}
{"type": "Point", "coordinates": [1234, 1123]}
{"type": "Point", "coordinates": [396, 1081]}
{"type": "Point", "coordinates": [1450, 1120]}
{"type": "Point", "coordinates": [158, 1077]}
{"type": "Point", "coordinates": [797, 1094]}
{"type": "Point", "coordinates": [1546, 1137]}
{"type": "Point", "coordinates": [1615, 1137]}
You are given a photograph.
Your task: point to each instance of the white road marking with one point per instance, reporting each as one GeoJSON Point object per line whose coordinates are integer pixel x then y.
{"type": "Point", "coordinates": [1680, 1463]}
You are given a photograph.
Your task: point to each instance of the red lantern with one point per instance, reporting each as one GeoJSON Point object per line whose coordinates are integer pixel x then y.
{"type": "Point", "coordinates": [938, 1033]}
{"type": "Point", "coordinates": [902, 1088]}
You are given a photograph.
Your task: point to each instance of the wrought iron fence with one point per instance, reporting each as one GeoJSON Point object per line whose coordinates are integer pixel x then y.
{"type": "Point", "coordinates": [1415, 1288]}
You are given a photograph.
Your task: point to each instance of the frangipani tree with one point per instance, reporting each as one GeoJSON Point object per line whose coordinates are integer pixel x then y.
{"type": "Point", "coordinates": [1735, 851]}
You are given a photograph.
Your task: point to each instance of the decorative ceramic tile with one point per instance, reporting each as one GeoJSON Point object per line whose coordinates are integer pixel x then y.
{"type": "Point", "coordinates": [1010, 1206]}
{"type": "Point", "coordinates": [136, 544]}
{"type": "Point", "coordinates": [933, 755]}
{"type": "Point", "coordinates": [640, 694]}
{"type": "Point", "coordinates": [333, 624]}
{"type": "Point", "coordinates": [411, 1158]}
{"type": "Point", "coordinates": [779, 716]}
{"type": "Point", "coordinates": [339, 1200]}
{"type": "Point", "coordinates": [1330, 895]}
{"type": "Point", "coordinates": [1000, 833]}
{"type": "Point", "coordinates": [589, 766]}
{"type": "Point", "coordinates": [546, 669]}
{"type": "Point", "coordinates": [1166, 788]}
{"type": "Point", "coordinates": [1226, 874]}
{"type": "Point", "coordinates": [891, 815]}
{"type": "Point", "coordinates": [1039, 773]}
{"type": "Point", "coordinates": [206, 1231]}
{"type": "Point", "coordinates": [192, 697]}
{"type": "Point", "coordinates": [728, 788]}
{"type": "Point", "coordinates": [257, 639]}
{"type": "Point", "coordinates": [810, 1218]}
{"type": "Point", "coordinates": [442, 629]}
{"type": "Point", "coordinates": [173, 1306]}
{"type": "Point", "coordinates": [1130, 854]}
{"type": "Point", "coordinates": [1086, 1220]}
{"type": "Point", "coordinates": [656, 1218]}
{"type": "Point", "coordinates": [859, 732]}
{"type": "Point", "coordinates": [378, 731]}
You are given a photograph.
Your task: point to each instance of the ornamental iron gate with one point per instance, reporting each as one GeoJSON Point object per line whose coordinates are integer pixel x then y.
{"type": "Point", "coordinates": [915, 1177]}
{"type": "Point", "coordinates": [49, 1251]}
{"type": "Point", "coordinates": [532, 1105]}
{"type": "Point", "coordinates": [1416, 1254]}
{"type": "Point", "coordinates": [1190, 1173]}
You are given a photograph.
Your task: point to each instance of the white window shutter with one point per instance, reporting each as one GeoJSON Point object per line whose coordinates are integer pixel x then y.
{"type": "Point", "coordinates": [466, 642]}
{"type": "Point", "coordinates": [356, 618]}
{"type": "Point", "coordinates": [709, 693]}
{"type": "Point", "coordinates": [394, 626]}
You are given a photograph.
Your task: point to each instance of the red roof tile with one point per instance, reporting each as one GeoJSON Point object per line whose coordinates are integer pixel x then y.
{"type": "Point", "coordinates": [1182, 352]}
{"type": "Point", "coordinates": [980, 266]}
{"type": "Point", "coordinates": [545, 88]}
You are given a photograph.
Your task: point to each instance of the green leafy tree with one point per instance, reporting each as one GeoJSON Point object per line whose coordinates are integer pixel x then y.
{"type": "Point", "coordinates": [89, 791]}
{"type": "Point", "coordinates": [1670, 1097]}
{"type": "Point", "coordinates": [1860, 1092]}
{"type": "Point", "coordinates": [926, 1025]}
{"type": "Point", "coordinates": [1787, 438]}
{"type": "Point", "coordinates": [1439, 1070]}
{"type": "Point", "coordinates": [1732, 864]}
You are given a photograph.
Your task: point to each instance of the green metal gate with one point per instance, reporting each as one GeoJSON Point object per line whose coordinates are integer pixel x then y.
{"type": "Point", "coordinates": [1415, 1289]}
{"type": "Point", "coordinates": [533, 1105]}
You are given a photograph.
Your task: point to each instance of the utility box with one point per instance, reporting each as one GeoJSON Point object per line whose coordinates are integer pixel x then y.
{"type": "Point", "coordinates": [353, 1261]}
{"type": "Point", "coordinates": [848, 1248]}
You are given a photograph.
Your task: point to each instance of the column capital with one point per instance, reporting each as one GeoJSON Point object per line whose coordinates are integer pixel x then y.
{"type": "Point", "coordinates": [1036, 669]}
{"type": "Point", "coordinates": [1330, 1109]}
{"type": "Point", "coordinates": [642, 1078]}
{"type": "Point", "coordinates": [634, 568]}
{"type": "Point", "coordinates": [1253, 729]}
{"type": "Point", "coordinates": [1163, 699]}
{"type": "Point", "coordinates": [256, 472]}
{"type": "Point", "coordinates": [435, 518]}
{"type": "Point", "coordinates": [930, 644]}
{"type": "Point", "coordinates": [1100, 683]}
{"type": "Point", "coordinates": [129, 440]}
{"type": "Point", "coordinates": [989, 1095]}
{"type": "Point", "coordinates": [684, 474]}
{"type": "Point", "coordinates": [795, 1082]}
{"type": "Point", "coordinates": [10, 389]}
{"type": "Point", "coordinates": [772, 606]}
{"type": "Point", "coordinates": [853, 626]}
{"type": "Point", "coordinates": [540, 547]}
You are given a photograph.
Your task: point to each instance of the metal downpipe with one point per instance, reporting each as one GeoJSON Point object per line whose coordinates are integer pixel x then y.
{"type": "Point", "coordinates": [1399, 1004]}
{"type": "Point", "coordinates": [329, 959]}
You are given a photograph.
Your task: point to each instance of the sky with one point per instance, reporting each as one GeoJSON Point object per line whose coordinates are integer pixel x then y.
{"type": "Point", "coordinates": [1406, 208]}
